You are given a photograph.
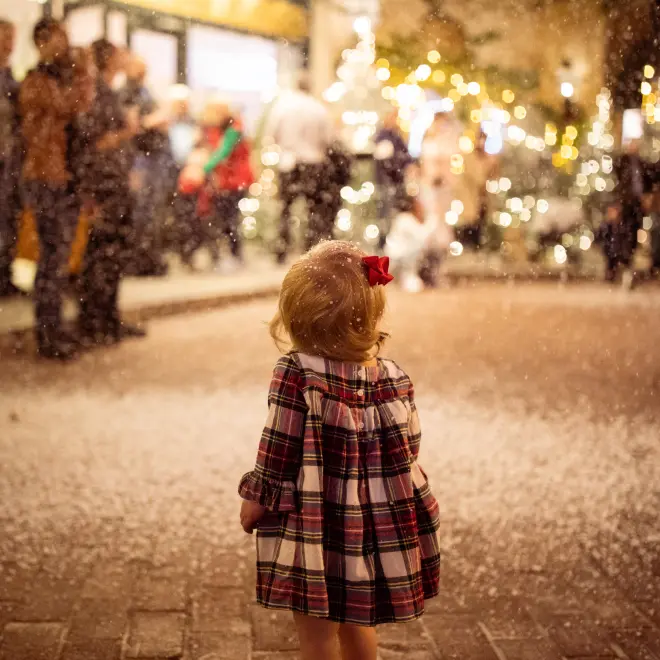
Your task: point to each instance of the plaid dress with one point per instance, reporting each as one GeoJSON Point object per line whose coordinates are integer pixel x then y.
{"type": "Point", "coordinates": [351, 528]}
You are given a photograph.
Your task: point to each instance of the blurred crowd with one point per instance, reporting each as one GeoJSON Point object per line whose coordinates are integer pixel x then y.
{"type": "Point", "coordinates": [74, 144]}
{"type": "Point", "coordinates": [435, 208]}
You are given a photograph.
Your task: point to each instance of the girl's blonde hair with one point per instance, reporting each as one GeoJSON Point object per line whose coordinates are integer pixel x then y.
{"type": "Point", "coordinates": [327, 306]}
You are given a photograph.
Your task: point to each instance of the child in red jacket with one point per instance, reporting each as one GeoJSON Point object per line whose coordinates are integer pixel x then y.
{"type": "Point", "coordinates": [229, 174]}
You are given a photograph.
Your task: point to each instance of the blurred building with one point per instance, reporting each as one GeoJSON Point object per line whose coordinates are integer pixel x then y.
{"type": "Point", "coordinates": [539, 44]}
{"type": "Point", "coordinates": [238, 50]}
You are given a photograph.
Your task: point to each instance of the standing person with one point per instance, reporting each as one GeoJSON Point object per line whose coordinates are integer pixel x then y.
{"type": "Point", "coordinates": [302, 128]}
{"type": "Point", "coordinates": [154, 170]}
{"type": "Point", "coordinates": [438, 190]}
{"type": "Point", "coordinates": [183, 132]}
{"type": "Point", "coordinates": [613, 237]}
{"type": "Point", "coordinates": [337, 174]}
{"type": "Point", "coordinates": [631, 174]}
{"type": "Point", "coordinates": [347, 526]}
{"type": "Point", "coordinates": [391, 158]}
{"type": "Point", "coordinates": [229, 173]}
{"type": "Point", "coordinates": [10, 161]}
{"type": "Point", "coordinates": [184, 135]}
{"type": "Point", "coordinates": [51, 97]}
{"type": "Point", "coordinates": [652, 209]}
{"type": "Point", "coordinates": [406, 242]}
{"type": "Point", "coordinates": [106, 133]}
{"type": "Point", "coordinates": [471, 191]}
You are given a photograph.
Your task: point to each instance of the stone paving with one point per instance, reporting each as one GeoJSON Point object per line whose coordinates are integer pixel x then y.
{"type": "Point", "coordinates": [119, 540]}
{"type": "Point", "coordinates": [91, 606]}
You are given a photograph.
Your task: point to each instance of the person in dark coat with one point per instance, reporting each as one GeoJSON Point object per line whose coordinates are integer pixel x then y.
{"type": "Point", "coordinates": [391, 158]}
{"type": "Point", "coordinates": [633, 182]}
{"type": "Point", "coordinates": [10, 161]}
{"type": "Point", "coordinates": [106, 159]}
{"type": "Point", "coordinates": [652, 208]}
{"type": "Point", "coordinates": [155, 170]}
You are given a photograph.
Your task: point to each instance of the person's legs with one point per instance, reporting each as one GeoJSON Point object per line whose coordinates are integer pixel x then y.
{"type": "Point", "coordinates": [93, 287]}
{"type": "Point", "coordinates": [147, 258]}
{"type": "Point", "coordinates": [429, 268]}
{"type": "Point", "coordinates": [119, 211]}
{"type": "Point", "coordinates": [9, 209]}
{"type": "Point", "coordinates": [189, 227]}
{"type": "Point", "coordinates": [55, 215]}
{"type": "Point", "coordinates": [655, 245]}
{"type": "Point", "coordinates": [358, 642]}
{"type": "Point", "coordinates": [611, 264]}
{"type": "Point", "coordinates": [386, 200]}
{"type": "Point", "coordinates": [319, 205]}
{"type": "Point", "coordinates": [105, 259]}
{"type": "Point", "coordinates": [229, 214]}
{"type": "Point", "coordinates": [289, 191]}
{"type": "Point", "coordinates": [318, 638]}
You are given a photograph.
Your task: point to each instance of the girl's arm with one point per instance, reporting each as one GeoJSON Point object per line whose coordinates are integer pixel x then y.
{"type": "Point", "coordinates": [414, 428]}
{"type": "Point", "coordinates": [229, 141]}
{"type": "Point", "coordinates": [272, 482]}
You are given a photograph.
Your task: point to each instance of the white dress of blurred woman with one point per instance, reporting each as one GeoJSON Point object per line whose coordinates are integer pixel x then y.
{"type": "Point", "coordinates": [438, 185]}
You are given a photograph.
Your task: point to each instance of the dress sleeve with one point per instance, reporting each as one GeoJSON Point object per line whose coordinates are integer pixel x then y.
{"type": "Point", "coordinates": [272, 482]}
{"type": "Point", "coordinates": [414, 428]}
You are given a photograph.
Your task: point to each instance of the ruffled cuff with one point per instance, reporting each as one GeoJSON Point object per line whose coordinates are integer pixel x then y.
{"type": "Point", "coordinates": [276, 496]}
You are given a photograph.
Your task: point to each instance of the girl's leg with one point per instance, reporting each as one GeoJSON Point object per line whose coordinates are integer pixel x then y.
{"type": "Point", "coordinates": [358, 642]}
{"type": "Point", "coordinates": [318, 638]}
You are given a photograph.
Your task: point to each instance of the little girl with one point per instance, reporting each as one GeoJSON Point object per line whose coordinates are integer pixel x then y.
{"type": "Point", "coordinates": [346, 523]}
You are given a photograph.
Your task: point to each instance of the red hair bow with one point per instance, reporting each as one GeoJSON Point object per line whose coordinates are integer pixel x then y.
{"type": "Point", "coordinates": [377, 270]}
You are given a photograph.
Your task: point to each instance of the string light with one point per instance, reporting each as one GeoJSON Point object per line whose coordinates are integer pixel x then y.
{"type": "Point", "coordinates": [410, 96]}
{"type": "Point", "coordinates": [508, 96]}
{"type": "Point", "coordinates": [465, 144]}
{"type": "Point", "coordinates": [567, 90]}
{"type": "Point", "coordinates": [344, 221]}
{"type": "Point", "coordinates": [474, 88]}
{"type": "Point", "coordinates": [519, 112]}
{"type": "Point", "coordinates": [451, 218]}
{"type": "Point", "coordinates": [455, 248]}
{"type": "Point", "coordinates": [423, 72]}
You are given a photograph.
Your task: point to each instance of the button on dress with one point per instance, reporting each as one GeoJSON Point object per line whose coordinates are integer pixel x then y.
{"type": "Point", "coordinates": [351, 531]}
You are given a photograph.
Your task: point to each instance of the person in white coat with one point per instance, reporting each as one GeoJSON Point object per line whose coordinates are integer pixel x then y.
{"type": "Point", "coordinates": [302, 128]}
{"type": "Point", "coordinates": [439, 187]}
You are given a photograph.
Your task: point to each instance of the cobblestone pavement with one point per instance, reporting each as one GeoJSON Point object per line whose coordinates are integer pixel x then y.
{"type": "Point", "coordinates": [541, 410]}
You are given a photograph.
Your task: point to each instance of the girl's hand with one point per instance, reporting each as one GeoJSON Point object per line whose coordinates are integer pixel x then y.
{"type": "Point", "coordinates": [251, 513]}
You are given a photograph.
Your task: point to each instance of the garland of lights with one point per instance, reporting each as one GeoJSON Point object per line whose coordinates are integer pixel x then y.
{"type": "Point", "coordinates": [504, 114]}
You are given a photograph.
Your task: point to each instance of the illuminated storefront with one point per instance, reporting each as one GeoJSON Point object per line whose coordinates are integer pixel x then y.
{"type": "Point", "coordinates": [239, 51]}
